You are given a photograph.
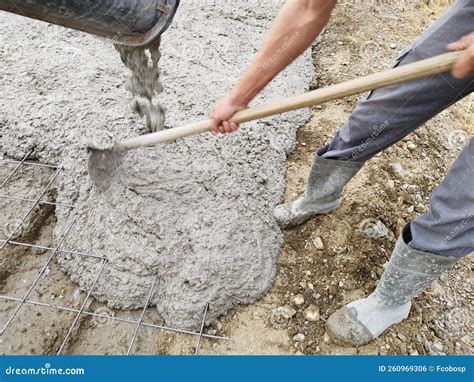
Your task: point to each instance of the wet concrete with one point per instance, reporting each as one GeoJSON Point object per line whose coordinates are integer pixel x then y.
{"type": "Point", "coordinates": [197, 212]}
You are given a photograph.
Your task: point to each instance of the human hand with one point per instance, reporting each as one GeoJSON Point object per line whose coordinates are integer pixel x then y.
{"type": "Point", "coordinates": [465, 64]}
{"type": "Point", "coordinates": [223, 110]}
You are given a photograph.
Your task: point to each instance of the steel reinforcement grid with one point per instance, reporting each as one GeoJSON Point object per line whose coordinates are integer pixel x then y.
{"type": "Point", "coordinates": [81, 311]}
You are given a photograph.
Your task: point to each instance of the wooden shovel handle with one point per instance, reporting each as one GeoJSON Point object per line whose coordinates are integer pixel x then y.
{"type": "Point", "coordinates": [404, 73]}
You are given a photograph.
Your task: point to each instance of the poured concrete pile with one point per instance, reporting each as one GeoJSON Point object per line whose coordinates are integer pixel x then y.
{"type": "Point", "coordinates": [197, 212]}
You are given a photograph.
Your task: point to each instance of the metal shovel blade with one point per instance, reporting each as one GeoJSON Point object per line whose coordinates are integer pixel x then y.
{"type": "Point", "coordinates": [103, 163]}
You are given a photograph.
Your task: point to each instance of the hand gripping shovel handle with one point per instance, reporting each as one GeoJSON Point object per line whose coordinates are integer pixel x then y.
{"type": "Point", "coordinates": [419, 69]}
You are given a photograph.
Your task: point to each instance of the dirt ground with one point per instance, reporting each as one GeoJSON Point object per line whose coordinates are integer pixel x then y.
{"type": "Point", "coordinates": [324, 263]}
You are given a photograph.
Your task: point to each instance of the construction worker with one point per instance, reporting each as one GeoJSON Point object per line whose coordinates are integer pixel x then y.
{"type": "Point", "coordinates": [432, 242]}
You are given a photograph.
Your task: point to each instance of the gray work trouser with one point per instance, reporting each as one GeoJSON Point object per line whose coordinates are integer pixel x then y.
{"type": "Point", "coordinates": [389, 114]}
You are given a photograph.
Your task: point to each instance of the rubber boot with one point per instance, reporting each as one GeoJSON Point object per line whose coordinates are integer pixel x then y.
{"type": "Point", "coordinates": [323, 192]}
{"type": "Point", "coordinates": [409, 272]}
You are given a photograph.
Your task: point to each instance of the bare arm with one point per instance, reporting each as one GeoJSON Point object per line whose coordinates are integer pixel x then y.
{"type": "Point", "coordinates": [294, 29]}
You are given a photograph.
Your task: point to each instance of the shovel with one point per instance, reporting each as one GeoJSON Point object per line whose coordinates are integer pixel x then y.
{"type": "Point", "coordinates": [104, 161]}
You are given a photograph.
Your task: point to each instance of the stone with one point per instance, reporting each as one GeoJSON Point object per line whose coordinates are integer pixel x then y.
{"type": "Point", "coordinates": [369, 349]}
{"type": "Point", "coordinates": [373, 228]}
{"type": "Point", "coordinates": [426, 344]}
{"type": "Point", "coordinates": [398, 167]}
{"type": "Point", "coordinates": [326, 338]}
{"type": "Point", "coordinates": [318, 243]}
{"type": "Point", "coordinates": [437, 345]}
{"type": "Point", "coordinates": [400, 225]}
{"type": "Point", "coordinates": [312, 314]}
{"type": "Point", "coordinates": [402, 337]}
{"type": "Point", "coordinates": [340, 350]}
{"type": "Point", "coordinates": [76, 295]}
{"type": "Point", "coordinates": [300, 337]}
{"type": "Point", "coordinates": [402, 348]}
{"type": "Point", "coordinates": [420, 208]}
{"type": "Point", "coordinates": [280, 317]}
{"type": "Point", "coordinates": [298, 300]}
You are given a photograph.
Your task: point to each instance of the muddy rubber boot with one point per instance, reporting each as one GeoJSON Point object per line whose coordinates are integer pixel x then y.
{"type": "Point", "coordinates": [323, 191]}
{"type": "Point", "coordinates": [407, 274]}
